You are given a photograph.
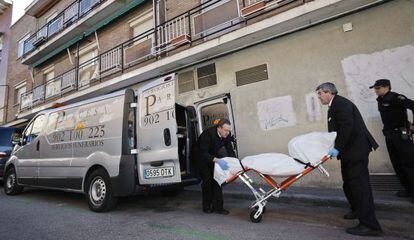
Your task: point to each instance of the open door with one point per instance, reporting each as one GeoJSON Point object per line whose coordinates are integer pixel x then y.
{"type": "Point", "coordinates": [208, 110]}
{"type": "Point", "coordinates": [187, 135]}
{"type": "Point", "coordinates": [158, 160]}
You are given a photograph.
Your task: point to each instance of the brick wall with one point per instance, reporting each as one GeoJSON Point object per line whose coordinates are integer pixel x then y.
{"type": "Point", "coordinates": [177, 7]}
{"type": "Point", "coordinates": [17, 72]}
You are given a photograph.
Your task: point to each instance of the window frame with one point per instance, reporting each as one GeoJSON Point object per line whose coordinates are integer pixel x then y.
{"type": "Point", "coordinates": [17, 97]}
{"type": "Point", "coordinates": [20, 43]}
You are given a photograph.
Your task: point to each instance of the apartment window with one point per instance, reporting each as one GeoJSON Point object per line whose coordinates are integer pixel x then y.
{"type": "Point", "coordinates": [198, 78]}
{"type": "Point", "coordinates": [207, 76]}
{"type": "Point", "coordinates": [88, 52]}
{"type": "Point", "coordinates": [48, 74]}
{"type": "Point", "coordinates": [140, 49]}
{"type": "Point", "coordinates": [216, 16]}
{"type": "Point", "coordinates": [50, 17]}
{"type": "Point", "coordinates": [89, 68]}
{"type": "Point", "coordinates": [52, 87]}
{"type": "Point", "coordinates": [142, 24]}
{"type": "Point", "coordinates": [21, 45]}
{"type": "Point", "coordinates": [18, 91]}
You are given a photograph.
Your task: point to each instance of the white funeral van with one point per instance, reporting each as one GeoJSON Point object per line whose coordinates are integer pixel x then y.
{"type": "Point", "coordinates": [109, 146]}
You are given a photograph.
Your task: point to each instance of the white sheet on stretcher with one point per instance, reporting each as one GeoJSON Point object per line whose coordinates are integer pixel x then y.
{"type": "Point", "coordinates": [309, 147]}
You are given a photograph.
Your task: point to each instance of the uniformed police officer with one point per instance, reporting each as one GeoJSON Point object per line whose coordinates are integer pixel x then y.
{"type": "Point", "coordinates": [212, 145]}
{"type": "Point", "coordinates": [398, 133]}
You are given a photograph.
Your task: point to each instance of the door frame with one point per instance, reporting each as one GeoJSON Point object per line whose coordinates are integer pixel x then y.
{"type": "Point", "coordinates": [211, 101]}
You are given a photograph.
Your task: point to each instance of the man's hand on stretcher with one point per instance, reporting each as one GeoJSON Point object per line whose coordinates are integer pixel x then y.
{"type": "Point", "coordinates": [333, 152]}
{"type": "Point", "coordinates": [223, 164]}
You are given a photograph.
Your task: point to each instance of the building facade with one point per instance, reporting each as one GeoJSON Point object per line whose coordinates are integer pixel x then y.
{"type": "Point", "coordinates": [5, 21]}
{"type": "Point", "coordinates": [256, 62]}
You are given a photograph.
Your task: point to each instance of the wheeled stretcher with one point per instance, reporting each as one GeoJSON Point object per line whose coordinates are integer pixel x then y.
{"type": "Point", "coordinates": [257, 208]}
{"type": "Point", "coordinates": [307, 153]}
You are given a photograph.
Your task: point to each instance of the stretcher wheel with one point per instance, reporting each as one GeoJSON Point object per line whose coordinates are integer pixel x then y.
{"type": "Point", "coordinates": [263, 211]}
{"type": "Point", "coordinates": [253, 218]}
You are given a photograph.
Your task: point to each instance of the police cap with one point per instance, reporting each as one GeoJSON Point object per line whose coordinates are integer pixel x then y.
{"type": "Point", "coordinates": [381, 83]}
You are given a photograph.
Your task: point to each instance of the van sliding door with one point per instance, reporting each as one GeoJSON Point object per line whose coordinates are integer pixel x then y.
{"type": "Point", "coordinates": [158, 161]}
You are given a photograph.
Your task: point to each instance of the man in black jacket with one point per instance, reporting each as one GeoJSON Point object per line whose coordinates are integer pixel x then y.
{"type": "Point", "coordinates": [352, 146]}
{"type": "Point", "coordinates": [213, 144]}
{"type": "Point", "coordinates": [393, 109]}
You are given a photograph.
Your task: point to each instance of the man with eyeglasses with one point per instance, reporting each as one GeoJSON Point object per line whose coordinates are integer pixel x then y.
{"type": "Point", "coordinates": [398, 133]}
{"type": "Point", "coordinates": [213, 144]}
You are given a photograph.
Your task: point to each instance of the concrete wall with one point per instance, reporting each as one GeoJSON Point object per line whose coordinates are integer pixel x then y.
{"type": "Point", "coordinates": [176, 7]}
{"type": "Point", "coordinates": [296, 65]}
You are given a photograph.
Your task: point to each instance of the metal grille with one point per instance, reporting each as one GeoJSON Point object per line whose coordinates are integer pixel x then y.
{"type": "Point", "coordinates": [252, 75]}
{"type": "Point", "coordinates": [186, 82]}
{"type": "Point", "coordinates": [385, 182]}
{"type": "Point", "coordinates": [207, 76]}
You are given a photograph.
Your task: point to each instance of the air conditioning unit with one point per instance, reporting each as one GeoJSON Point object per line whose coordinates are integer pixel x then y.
{"type": "Point", "coordinates": [39, 41]}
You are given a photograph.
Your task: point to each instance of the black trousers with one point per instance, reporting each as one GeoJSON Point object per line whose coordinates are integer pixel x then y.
{"type": "Point", "coordinates": [358, 191]}
{"type": "Point", "coordinates": [402, 159]}
{"type": "Point", "coordinates": [211, 190]}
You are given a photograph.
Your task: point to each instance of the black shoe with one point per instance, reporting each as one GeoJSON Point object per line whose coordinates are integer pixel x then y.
{"type": "Point", "coordinates": [207, 210]}
{"type": "Point", "coordinates": [362, 230]}
{"type": "Point", "coordinates": [412, 200]}
{"type": "Point", "coordinates": [350, 216]}
{"type": "Point", "coordinates": [403, 194]}
{"type": "Point", "coordinates": [222, 211]}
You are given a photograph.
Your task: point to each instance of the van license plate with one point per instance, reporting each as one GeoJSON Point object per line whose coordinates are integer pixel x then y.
{"type": "Point", "coordinates": [159, 172]}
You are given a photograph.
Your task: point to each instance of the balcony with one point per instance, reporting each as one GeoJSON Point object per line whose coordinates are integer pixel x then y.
{"type": "Point", "coordinates": [183, 33]}
{"type": "Point", "coordinates": [70, 23]}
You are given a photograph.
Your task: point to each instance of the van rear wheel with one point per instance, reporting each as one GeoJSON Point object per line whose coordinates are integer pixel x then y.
{"type": "Point", "coordinates": [11, 187]}
{"type": "Point", "coordinates": [100, 195]}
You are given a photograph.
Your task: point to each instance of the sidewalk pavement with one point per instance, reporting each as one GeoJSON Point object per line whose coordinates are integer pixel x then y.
{"type": "Point", "coordinates": [316, 196]}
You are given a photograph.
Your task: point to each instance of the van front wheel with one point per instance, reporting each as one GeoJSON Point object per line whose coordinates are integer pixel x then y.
{"type": "Point", "coordinates": [11, 187]}
{"type": "Point", "coordinates": [100, 194]}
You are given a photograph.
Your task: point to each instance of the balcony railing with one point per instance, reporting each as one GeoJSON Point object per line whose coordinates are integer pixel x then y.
{"type": "Point", "coordinates": [182, 30]}
{"type": "Point", "coordinates": [72, 13]}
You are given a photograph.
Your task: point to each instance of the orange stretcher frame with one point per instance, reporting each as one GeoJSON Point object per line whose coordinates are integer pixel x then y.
{"type": "Point", "coordinates": [258, 206]}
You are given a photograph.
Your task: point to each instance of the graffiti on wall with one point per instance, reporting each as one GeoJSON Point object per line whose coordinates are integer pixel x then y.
{"type": "Point", "coordinates": [276, 113]}
{"type": "Point", "coordinates": [362, 70]}
{"type": "Point", "coordinates": [313, 107]}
